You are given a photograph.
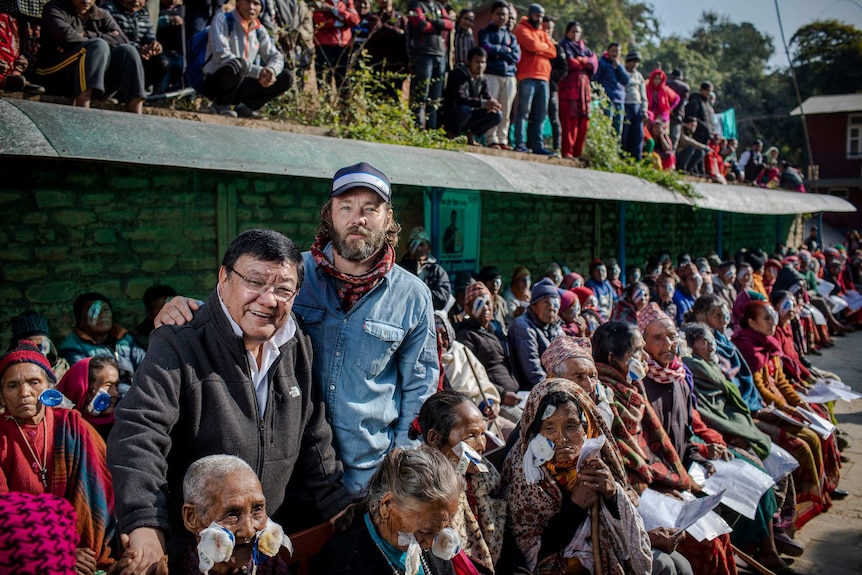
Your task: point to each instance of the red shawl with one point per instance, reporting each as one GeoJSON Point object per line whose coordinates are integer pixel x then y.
{"type": "Point", "coordinates": [646, 449]}
{"type": "Point", "coordinates": [790, 361]}
{"type": "Point", "coordinates": [354, 287]}
{"type": "Point", "coordinates": [75, 385]}
{"type": "Point", "coordinates": [77, 472]}
{"type": "Point", "coordinates": [756, 348]}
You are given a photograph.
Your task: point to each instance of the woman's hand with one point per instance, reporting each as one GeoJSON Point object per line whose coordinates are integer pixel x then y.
{"type": "Point", "coordinates": [85, 561]}
{"type": "Point", "coordinates": [597, 476]}
{"type": "Point", "coordinates": [583, 496]}
{"type": "Point", "coordinates": [664, 539]}
{"type": "Point", "coordinates": [716, 451]}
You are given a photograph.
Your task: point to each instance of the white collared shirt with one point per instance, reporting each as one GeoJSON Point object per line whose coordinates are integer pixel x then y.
{"type": "Point", "coordinates": [269, 352]}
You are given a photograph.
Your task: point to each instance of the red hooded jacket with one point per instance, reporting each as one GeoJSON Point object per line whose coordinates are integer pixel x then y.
{"type": "Point", "coordinates": [661, 99]}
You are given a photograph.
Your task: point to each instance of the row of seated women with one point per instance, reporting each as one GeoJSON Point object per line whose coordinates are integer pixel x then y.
{"type": "Point", "coordinates": [545, 513]}
{"type": "Point", "coordinates": [444, 508]}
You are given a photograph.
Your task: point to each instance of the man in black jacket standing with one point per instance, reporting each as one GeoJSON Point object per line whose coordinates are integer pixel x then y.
{"type": "Point", "coordinates": [467, 104]}
{"type": "Point", "coordinates": [236, 380]}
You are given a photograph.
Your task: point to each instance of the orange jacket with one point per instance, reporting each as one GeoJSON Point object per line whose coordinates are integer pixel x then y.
{"type": "Point", "coordinates": [537, 50]}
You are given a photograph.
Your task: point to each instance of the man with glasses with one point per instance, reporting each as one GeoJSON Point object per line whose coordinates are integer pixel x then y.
{"type": "Point", "coordinates": [236, 379]}
{"type": "Point", "coordinates": [371, 324]}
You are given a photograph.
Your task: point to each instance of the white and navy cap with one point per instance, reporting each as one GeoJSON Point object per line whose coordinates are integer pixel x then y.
{"type": "Point", "coordinates": [361, 175]}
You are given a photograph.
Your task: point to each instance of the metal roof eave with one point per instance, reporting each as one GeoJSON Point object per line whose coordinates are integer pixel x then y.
{"type": "Point", "coordinates": [29, 128]}
{"type": "Point", "coordinates": [762, 201]}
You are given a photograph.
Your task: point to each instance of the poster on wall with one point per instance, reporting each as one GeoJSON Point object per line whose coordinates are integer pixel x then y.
{"type": "Point", "coordinates": [456, 238]}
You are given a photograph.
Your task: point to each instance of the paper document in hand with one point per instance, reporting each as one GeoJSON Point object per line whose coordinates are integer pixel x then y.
{"type": "Point", "coordinates": [743, 484]}
{"type": "Point", "coordinates": [840, 388]}
{"type": "Point", "coordinates": [820, 425]}
{"type": "Point", "coordinates": [820, 392]}
{"type": "Point", "coordinates": [590, 449]}
{"type": "Point", "coordinates": [784, 416]}
{"type": "Point", "coordinates": [854, 301]}
{"type": "Point", "coordinates": [695, 516]}
{"type": "Point", "coordinates": [824, 288]}
{"type": "Point", "coordinates": [779, 463]}
{"type": "Point", "coordinates": [522, 396]}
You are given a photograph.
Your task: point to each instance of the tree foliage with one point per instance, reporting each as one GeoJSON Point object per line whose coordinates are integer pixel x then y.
{"type": "Point", "coordinates": [828, 58]}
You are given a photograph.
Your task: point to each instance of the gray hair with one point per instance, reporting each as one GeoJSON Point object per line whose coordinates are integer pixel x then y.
{"type": "Point", "coordinates": [415, 477]}
{"type": "Point", "coordinates": [206, 473]}
{"type": "Point", "coordinates": [695, 331]}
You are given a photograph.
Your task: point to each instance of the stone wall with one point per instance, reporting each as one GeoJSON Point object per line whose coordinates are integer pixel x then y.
{"type": "Point", "coordinates": [67, 227]}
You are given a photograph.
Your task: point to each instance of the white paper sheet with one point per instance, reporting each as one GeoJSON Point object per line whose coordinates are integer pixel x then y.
{"type": "Point", "coordinates": [842, 389]}
{"type": "Point", "coordinates": [822, 426]}
{"type": "Point", "coordinates": [820, 392]}
{"type": "Point", "coordinates": [824, 288]}
{"type": "Point", "coordinates": [779, 463]}
{"type": "Point", "coordinates": [854, 300]}
{"type": "Point", "coordinates": [694, 516]}
{"type": "Point", "coordinates": [590, 449]}
{"type": "Point", "coordinates": [743, 484]}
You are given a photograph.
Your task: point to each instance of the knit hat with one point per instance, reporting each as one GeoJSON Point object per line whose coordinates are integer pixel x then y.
{"type": "Point", "coordinates": [84, 298]}
{"type": "Point", "coordinates": [27, 352]}
{"type": "Point", "coordinates": [686, 270]}
{"type": "Point", "coordinates": [773, 263]}
{"type": "Point", "coordinates": [28, 324]}
{"type": "Point", "coordinates": [633, 55]}
{"type": "Point", "coordinates": [571, 278]}
{"type": "Point", "coordinates": [475, 291]}
{"type": "Point", "coordinates": [651, 314]}
{"type": "Point", "coordinates": [676, 73]}
{"type": "Point", "coordinates": [535, 9]}
{"type": "Point", "coordinates": [596, 263]}
{"type": "Point", "coordinates": [361, 175]}
{"type": "Point", "coordinates": [542, 289]}
{"type": "Point", "coordinates": [418, 235]}
{"type": "Point", "coordinates": [566, 347]}
{"type": "Point", "coordinates": [567, 298]}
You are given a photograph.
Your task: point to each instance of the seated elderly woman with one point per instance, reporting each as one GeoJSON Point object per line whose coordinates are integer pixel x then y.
{"type": "Point", "coordinates": [818, 473]}
{"type": "Point", "coordinates": [570, 518]}
{"type": "Point", "coordinates": [225, 509]}
{"type": "Point", "coordinates": [92, 384]}
{"type": "Point", "coordinates": [402, 525]}
{"type": "Point", "coordinates": [648, 454]}
{"type": "Point", "coordinates": [722, 408]}
{"type": "Point", "coordinates": [73, 467]}
{"type": "Point", "coordinates": [634, 299]}
{"type": "Point", "coordinates": [449, 421]}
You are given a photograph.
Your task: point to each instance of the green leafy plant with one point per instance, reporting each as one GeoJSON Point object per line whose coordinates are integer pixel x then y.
{"type": "Point", "coordinates": [363, 110]}
{"type": "Point", "coordinates": [602, 151]}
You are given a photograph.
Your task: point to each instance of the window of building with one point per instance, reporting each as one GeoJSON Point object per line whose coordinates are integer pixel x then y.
{"type": "Point", "coordinates": [854, 136]}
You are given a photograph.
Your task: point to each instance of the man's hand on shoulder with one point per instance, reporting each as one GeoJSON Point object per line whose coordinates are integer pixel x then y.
{"type": "Point", "coordinates": [145, 553]}
{"type": "Point", "coordinates": [178, 310]}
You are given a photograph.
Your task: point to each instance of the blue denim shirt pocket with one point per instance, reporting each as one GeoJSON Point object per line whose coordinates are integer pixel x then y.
{"type": "Point", "coordinates": [311, 316]}
{"type": "Point", "coordinates": [379, 341]}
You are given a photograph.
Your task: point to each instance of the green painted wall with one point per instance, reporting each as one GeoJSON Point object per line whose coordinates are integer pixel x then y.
{"type": "Point", "coordinates": [67, 227]}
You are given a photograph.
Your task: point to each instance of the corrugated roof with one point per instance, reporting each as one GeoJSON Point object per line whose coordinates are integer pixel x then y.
{"type": "Point", "coordinates": [830, 104]}
{"type": "Point", "coordinates": [30, 128]}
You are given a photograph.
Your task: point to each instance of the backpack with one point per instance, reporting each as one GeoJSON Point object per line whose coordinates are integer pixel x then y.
{"type": "Point", "coordinates": [197, 57]}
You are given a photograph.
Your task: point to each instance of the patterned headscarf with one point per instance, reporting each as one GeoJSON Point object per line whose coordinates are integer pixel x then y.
{"type": "Point", "coordinates": [418, 236]}
{"type": "Point", "coordinates": [474, 292]}
{"type": "Point", "coordinates": [566, 347]}
{"type": "Point", "coordinates": [651, 314]}
{"type": "Point", "coordinates": [622, 546]}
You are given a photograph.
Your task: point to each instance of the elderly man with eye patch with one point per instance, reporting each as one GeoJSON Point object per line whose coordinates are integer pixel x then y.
{"type": "Point", "coordinates": [236, 379]}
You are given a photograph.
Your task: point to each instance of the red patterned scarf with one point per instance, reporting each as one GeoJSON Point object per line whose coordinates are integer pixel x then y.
{"type": "Point", "coordinates": [673, 372]}
{"type": "Point", "coordinates": [354, 287]}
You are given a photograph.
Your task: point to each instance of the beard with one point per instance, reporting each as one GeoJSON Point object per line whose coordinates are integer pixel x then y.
{"type": "Point", "coordinates": [358, 250]}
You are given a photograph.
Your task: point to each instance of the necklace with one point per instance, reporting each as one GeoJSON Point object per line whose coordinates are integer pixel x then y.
{"type": "Point", "coordinates": [40, 467]}
{"type": "Point", "coordinates": [396, 570]}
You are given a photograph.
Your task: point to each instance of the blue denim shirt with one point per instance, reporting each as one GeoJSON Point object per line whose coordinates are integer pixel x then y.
{"type": "Point", "coordinates": [375, 364]}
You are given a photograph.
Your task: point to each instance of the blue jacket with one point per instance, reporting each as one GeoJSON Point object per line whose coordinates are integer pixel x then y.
{"type": "Point", "coordinates": [684, 302]}
{"type": "Point", "coordinates": [375, 364]}
{"type": "Point", "coordinates": [605, 294]}
{"type": "Point", "coordinates": [502, 48]}
{"type": "Point", "coordinates": [528, 340]}
{"type": "Point", "coordinates": [613, 80]}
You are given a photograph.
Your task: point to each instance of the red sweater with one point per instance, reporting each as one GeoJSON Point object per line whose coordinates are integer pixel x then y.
{"type": "Point", "coordinates": [326, 32]}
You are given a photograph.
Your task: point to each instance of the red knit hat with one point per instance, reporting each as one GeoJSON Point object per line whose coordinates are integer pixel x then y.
{"type": "Point", "coordinates": [27, 352]}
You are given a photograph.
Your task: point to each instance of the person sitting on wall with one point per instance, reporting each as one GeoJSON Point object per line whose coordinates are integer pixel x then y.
{"type": "Point", "coordinates": [84, 54]}
{"type": "Point", "coordinates": [231, 75]}
{"type": "Point", "coordinates": [468, 106]}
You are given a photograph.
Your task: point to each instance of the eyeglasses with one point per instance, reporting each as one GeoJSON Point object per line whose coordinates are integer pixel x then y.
{"type": "Point", "coordinates": [281, 294]}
